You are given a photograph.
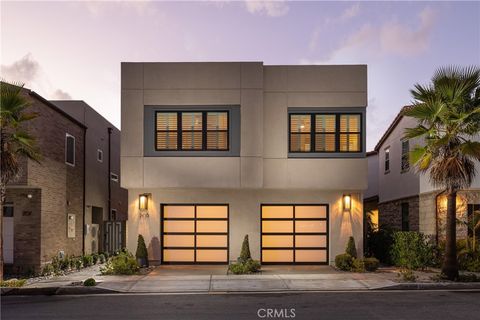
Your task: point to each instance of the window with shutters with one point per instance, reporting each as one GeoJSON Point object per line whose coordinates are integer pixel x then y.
{"type": "Point", "coordinates": [192, 131]}
{"type": "Point", "coordinates": [323, 133]}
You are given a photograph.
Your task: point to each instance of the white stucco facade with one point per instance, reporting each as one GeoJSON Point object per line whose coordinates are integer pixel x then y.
{"type": "Point", "coordinates": [263, 172]}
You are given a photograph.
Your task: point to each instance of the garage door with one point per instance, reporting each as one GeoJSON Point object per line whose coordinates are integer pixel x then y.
{"type": "Point", "coordinates": [294, 234]}
{"type": "Point", "coordinates": [195, 234]}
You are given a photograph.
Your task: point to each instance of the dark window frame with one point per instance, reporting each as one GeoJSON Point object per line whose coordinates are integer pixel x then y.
{"type": "Point", "coordinates": [337, 133]}
{"type": "Point", "coordinates": [204, 130]}
{"type": "Point", "coordinates": [8, 210]}
{"type": "Point", "coordinates": [99, 155]}
{"type": "Point", "coordinates": [386, 161]}
{"type": "Point", "coordinates": [405, 161]}
{"type": "Point", "coordinates": [114, 177]}
{"type": "Point", "coordinates": [69, 136]}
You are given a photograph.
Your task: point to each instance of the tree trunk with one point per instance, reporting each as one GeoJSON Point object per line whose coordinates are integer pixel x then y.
{"type": "Point", "coordinates": [450, 265]}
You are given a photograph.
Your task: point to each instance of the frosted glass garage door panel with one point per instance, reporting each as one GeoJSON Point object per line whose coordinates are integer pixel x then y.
{"type": "Point", "coordinates": [178, 226]}
{"type": "Point", "coordinates": [277, 226]}
{"type": "Point", "coordinates": [212, 226]}
{"type": "Point", "coordinates": [277, 212]}
{"type": "Point", "coordinates": [211, 255]}
{"type": "Point", "coordinates": [178, 255]}
{"type": "Point", "coordinates": [212, 241]}
{"type": "Point", "coordinates": [277, 241]}
{"type": "Point", "coordinates": [315, 212]}
{"type": "Point", "coordinates": [310, 255]}
{"type": "Point", "coordinates": [310, 241]}
{"type": "Point", "coordinates": [310, 226]}
{"type": "Point", "coordinates": [277, 256]}
{"type": "Point", "coordinates": [179, 212]}
{"type": "Point", "coordinates": [219, 212]}
{"type": "Point", "coordinates": [178, 241]}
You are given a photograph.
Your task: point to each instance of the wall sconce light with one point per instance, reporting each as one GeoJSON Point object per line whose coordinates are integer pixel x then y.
{"type": "Point", "coordinates": [29, 196]}
{"type": "Point", "coordinates": [347, 202]}
{"type": "Point", "coordinates": [143, 204]}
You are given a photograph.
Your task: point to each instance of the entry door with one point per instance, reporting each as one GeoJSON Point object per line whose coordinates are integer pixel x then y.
{"type": "Point", "coordinates": [294, 234]}
{"type": "Point", "coordinates": [195, 234]}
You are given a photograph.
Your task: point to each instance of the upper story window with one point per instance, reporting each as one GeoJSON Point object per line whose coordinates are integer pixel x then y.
{"type": "Point", "coordinates": [99, 155]}
{"type": "Point", "coordinates": [114, 177]}
{"type": "Point", "coordinates": [191, 131]}
{"type": "Point", "coordinates": [69, 149]}
{"type": "Point", "coordinates": [387, 160]}
{"type": "Point", "coordinates": [315, 132]}
{"type": "Point", "coordinates": [405, 153]}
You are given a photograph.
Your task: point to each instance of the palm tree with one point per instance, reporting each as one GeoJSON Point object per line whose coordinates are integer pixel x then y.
{"type": "Point", "coordinates": [15, 141]}
{"type": "Point", "coordinates": [448, 114]}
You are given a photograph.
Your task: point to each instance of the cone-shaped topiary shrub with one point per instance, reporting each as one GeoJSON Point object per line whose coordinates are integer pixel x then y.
{"type": "Point", "coordinates": [141, 254]}
{"type": "Point", "coordinates": [351, 249]}
{"type": "Point", "coordinates": [245, 253]}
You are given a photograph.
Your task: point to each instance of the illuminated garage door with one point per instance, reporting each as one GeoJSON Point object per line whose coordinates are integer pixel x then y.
{"type": "Point", "coordinates": [195, 234]}
{"type": "Point", "coordinates": [294, 234]}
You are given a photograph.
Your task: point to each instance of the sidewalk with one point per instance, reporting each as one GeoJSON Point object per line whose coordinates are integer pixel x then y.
{"type": "Point", "coordinates": [178, 279]}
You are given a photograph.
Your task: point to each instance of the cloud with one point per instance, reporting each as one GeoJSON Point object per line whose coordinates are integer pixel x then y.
{"type": "Point", "coordinates": [23, 70]}
{"type": "Point", "coordinates": [97, 8]}
{"type": "Point", "coordinates": [350, 12]}
{"type": "Point", "coordinates": [27, 70]}
{"type": "Point", "coordinates": [270, 8]}
{"type": "Point", "coordinates": [400, 39]}
{"type": "Point", "coordinates": [60, 95]}
{"type": "Point", "coordinates": [370, 41]}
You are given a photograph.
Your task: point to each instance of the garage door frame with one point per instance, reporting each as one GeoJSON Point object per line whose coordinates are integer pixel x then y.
{"type": "Point", "coordinates": [195, 219]}
{"type": "Point", "coordinates": [327, 219]}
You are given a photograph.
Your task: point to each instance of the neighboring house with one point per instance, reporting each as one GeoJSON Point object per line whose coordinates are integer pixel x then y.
{"type": "Point", "coordinates": [43, 213]}
{"type": "Point", "coordinates": [407, 200]}
{"type": "Point", "coordinates": [105, 201]}
{"type": "Point", "coordinates": [211, 152]}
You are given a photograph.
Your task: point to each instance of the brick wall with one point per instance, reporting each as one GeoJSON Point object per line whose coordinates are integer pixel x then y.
{"type": "Point", "coordinates": [26, 226]}
{"type": "Point", "coordinates": [390, 213]}
{"type": "Point", "coordinates": [60, 189]}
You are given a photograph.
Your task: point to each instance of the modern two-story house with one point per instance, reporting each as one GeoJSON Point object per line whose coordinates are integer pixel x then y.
{"type": "Point", "coordinates": [211, 152]}
{"type": "Point", "coordinates": [404, 199]}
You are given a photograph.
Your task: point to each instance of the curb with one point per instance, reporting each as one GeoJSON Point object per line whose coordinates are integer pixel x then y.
{"type": "Point", "coordinates": [50, 291]}
{"type": "Point", "coordinates": [432, 286]}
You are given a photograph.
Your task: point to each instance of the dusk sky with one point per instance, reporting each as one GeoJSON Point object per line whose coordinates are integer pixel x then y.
{"type": "Point", "coordinates": [73, 50]}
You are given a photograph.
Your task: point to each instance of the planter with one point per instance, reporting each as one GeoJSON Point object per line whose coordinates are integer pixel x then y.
{"type": "Point", "coordinates": [142, 262]}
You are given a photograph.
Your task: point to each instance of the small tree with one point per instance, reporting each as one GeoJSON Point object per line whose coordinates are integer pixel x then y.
{"type": "Point", "coordinates": [142, 253]}
{"type": "Point", "coordinates": [351, 249]}
{"type": "Point", "coordinates": [448, 120]}
{"type": "Point", "coordinates": [245, 253]}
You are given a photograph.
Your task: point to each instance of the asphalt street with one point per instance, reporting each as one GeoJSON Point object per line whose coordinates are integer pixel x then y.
{"type": "Point", "coordinates": [323, 305]}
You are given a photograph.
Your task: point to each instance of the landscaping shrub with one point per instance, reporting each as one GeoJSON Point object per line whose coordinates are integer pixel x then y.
{"type": "Point", "coordinates": [344, 262]}
{"type": "Point", "coordinates": [12, 283]}
{"type": "Point", "coordinates": [101, 258]}
{"type": "Point", "coordinates": [351, 249]}
{"type": "Point", "coordinates": [245, 252]}
{"type": "Point", "coordinates": [245, 264]}
{"type": "Point", "coordinates": [371, 264]}
{"type": "Point", "coordinates": [121, 264]}
{"type": "Point", "coordinates": [379, 243]}
{"type": "Point", "coordinates": [94, 258]}
{"type": "Point", "coordinates": [90, 282]}
{"type": "Point", "coordinates": [407, 275]}
{"type": "Point", "coordinates": [87, 260]}
{"type": "Point", "coordinates": [142, 253]}
{"type": "Point", "coordinates": [412, 250]}
{"type": "Point", "coordinates": [358, 265]}
{"type": "Point", "coordinates": [469, 261]}
{"type": "Point", "coordinates": [78, 263]}
{"type": "Point", "coordinates": [64, 263]}
{"type": "Point", "coordinates": [47, 270]}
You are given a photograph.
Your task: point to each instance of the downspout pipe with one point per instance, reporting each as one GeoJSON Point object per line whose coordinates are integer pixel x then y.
{"type": "Point", "coordinates": [110, 130]}
{"type": "Point", "coordinates": [84, 186]}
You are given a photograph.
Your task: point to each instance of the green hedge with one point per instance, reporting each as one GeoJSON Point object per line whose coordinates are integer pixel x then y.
{"type": "Point", "coordinates": [412, 250]}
